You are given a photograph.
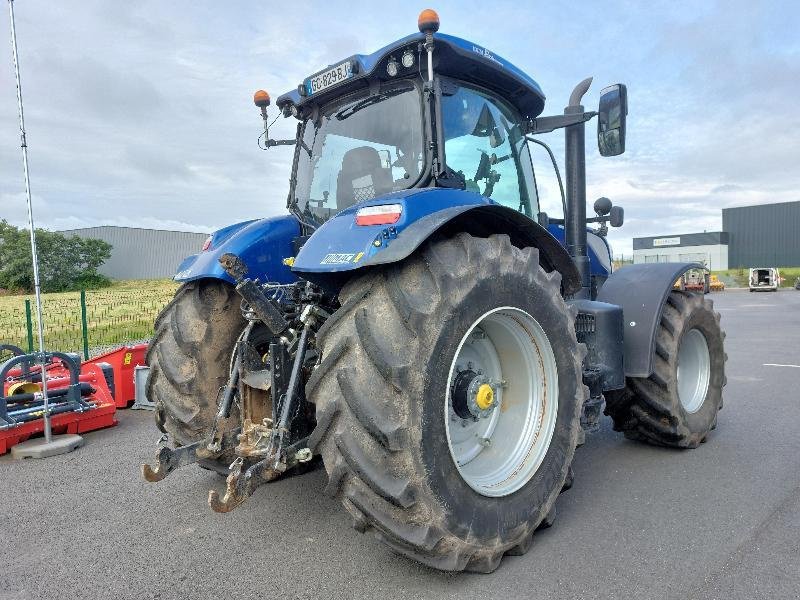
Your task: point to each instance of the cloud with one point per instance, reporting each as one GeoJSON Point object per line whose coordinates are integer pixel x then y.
{"type": "Point", "coordinates": [141, 113]}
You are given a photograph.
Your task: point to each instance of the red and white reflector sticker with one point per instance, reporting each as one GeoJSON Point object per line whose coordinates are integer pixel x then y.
{"type": "Point", "coordinates": [384, 214]}
{"type": "Point", "coordinates": [206, 244]}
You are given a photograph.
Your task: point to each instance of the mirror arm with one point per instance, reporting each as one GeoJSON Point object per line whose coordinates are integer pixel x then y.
{"type": "Point", "coordinates": [270, 143]}
{"type": "Point", "coordinates": [548, 124]}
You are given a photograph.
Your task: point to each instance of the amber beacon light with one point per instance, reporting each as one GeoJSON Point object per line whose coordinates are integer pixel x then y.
{"type": "Point", "coordinates": [261, 99]}
{"type": "Point", "coordinates": [428, 21]}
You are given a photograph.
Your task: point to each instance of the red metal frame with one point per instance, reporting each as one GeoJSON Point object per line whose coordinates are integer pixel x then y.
{"type": "Point", "coordinates": [99, 417]}
{"type": "Point", "coordinates": [124, 361]}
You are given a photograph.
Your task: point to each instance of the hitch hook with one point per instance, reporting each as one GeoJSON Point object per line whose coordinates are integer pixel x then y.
{"type": "Point", "coordinates": [239, 487]}
{"type": "Point", "coordinates": [168, 459]}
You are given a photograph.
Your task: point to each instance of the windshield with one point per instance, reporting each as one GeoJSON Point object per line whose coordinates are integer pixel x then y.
{"type": "Point", "coordinates": [360, 148]}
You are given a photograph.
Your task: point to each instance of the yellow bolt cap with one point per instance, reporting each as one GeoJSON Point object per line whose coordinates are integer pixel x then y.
{"type": "Point", "coordinates": [485, 397]}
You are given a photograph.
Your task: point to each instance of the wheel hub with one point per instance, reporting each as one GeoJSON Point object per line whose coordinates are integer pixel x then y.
{"type": "Point", "coordinates": [473, 395]}
{"type": "Point", "coordinates": [484, 397]}
{"type": "Point", "coordinates": [502, 401]}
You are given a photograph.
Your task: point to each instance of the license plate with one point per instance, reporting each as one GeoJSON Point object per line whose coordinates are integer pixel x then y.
{"type": "Point", "coordinates": [329, 78]}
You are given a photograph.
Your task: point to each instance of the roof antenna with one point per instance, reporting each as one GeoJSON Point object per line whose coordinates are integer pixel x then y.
{"type": "Point", "coordinates": [64, 443]}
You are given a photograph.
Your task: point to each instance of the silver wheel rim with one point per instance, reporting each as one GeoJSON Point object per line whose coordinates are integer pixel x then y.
{"type": "Point", "coordinates": [499, 452]}
{"type": "Point", "coordinates": [694, 368]}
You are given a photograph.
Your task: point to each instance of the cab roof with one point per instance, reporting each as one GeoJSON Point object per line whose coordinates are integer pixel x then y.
{"type": "Point", "coordinates": [452, 57]}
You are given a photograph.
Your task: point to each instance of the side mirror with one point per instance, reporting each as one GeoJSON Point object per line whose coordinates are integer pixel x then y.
{"type": "Point", "coordinates": [611, 120]}
{"type": "Point", "coordinates": [616, 217]}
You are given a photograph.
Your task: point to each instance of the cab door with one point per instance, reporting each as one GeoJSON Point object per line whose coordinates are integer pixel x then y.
{"type": "Point", "coordinates": [484, 143]}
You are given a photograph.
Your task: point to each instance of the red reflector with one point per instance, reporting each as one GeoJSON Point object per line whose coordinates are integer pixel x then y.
{"type": "Point", "coordinates": [206, 244]}
{"type": "Point", "coordinates": [385, 214]}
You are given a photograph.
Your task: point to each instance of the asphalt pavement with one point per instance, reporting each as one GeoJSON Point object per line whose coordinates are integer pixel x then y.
{"type": "Point", "coordinates": [721, 521]}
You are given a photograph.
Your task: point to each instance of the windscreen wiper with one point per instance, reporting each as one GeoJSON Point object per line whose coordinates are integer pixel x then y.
{"type": "Point", "coordinates": [349, 111]}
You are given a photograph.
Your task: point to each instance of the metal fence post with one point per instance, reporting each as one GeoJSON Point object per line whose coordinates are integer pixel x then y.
{"type": "Point", "coordinates": [84, 326]}
{"type": "Point", "coordinates": [29, 324]}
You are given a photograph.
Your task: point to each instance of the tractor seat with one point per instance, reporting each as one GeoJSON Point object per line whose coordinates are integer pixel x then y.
{"type": "Point", "coordinates": [362, 177]}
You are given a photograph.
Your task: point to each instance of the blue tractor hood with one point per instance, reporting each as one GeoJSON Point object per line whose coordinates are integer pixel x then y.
{"type": "Point", "coordinates": [262, 244]}
{"type": "Point", "coordinates": [452, 57]}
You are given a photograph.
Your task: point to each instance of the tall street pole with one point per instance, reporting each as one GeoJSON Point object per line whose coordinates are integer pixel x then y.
{"type": "Point", "coordinates": [64, 443]}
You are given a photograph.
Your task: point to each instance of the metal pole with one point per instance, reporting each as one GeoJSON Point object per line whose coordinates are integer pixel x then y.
{"type": "Point", "coordinates": [84, 326]}
{"type": "Point", "coordinates": [37, 288]}
{"type": "Point", "coordinates": [29, 325]}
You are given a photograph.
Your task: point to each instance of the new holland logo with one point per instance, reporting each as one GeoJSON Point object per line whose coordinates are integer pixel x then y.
{"type": "Point", "coordinates": [486, 54]}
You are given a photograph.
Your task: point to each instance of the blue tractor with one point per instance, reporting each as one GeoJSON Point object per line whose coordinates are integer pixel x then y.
{"type": "Point", "coordinates": [417, 322]}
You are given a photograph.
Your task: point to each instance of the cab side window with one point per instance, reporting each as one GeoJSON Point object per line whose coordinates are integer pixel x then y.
{"type": "Point", "coordinates": [484, 144]}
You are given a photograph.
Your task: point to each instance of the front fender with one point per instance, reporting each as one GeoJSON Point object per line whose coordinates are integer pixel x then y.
{"type": "Point", "coordinates": [642, 290]}
{"type": "Point", "coordinates": [261, 244]}
{"type": "Point", "coordinates": [340, 246]}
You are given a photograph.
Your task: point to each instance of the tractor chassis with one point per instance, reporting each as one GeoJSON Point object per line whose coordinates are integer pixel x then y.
{"type": "Point", "coordinates": [272, 435]}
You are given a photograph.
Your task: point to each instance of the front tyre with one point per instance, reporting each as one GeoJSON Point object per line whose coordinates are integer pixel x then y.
{"type": "Point", "coordinates": [678, 404]}
{"type": "Point", "coordinates": [448, 401]}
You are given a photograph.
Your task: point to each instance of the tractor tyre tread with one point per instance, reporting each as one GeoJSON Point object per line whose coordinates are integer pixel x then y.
{"type": "Point", "coordinates": [648, 408]}
{"type": "Point", "coordinates": [189, 359]}
{"type": "Point", "coordinates": [366, 434]}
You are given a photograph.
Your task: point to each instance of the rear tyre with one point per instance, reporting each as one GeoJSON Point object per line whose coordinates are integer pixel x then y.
{"type": "Point", "coordinates": [398, 360]}
{"type": "Point", "coordinates": [677, 405]}
{"type": "Point", "coordinates": [189, 360]}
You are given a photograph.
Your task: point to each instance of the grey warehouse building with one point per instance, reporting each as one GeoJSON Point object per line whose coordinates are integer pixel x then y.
{"type": "Point", "coordinates": [764, 235]}
{"type": "Point", "coordinates": [142, 253]}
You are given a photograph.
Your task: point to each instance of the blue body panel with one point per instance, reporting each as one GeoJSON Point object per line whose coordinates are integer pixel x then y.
{"type": "Point", "coordinates": [338, 246]}
{"type": "Point", "coordinates": [596, 266]}
{"type": "Point", "coordinates": [341, 245]}
{"type": "Point", "coordinates": [261, 244]}
{"type": "Point", "coordinates": [453, 57]}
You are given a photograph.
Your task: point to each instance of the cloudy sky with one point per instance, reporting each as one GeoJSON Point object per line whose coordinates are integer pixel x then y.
{"type": "Point", "coordinates": [140, 113]}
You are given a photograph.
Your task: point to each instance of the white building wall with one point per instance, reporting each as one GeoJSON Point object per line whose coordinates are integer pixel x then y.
{"type": "Point", "coordinates": [715, 257]}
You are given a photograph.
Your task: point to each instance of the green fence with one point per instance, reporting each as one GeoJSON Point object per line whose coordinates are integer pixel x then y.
{"type": "Point", "coordinates": [85, 322]}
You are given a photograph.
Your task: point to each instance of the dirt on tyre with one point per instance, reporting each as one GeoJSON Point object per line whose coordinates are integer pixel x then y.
{"type": "Point", "coordinates": [189, 360]}
{"type": "Point", "coordinates": [678, 404]}
{"type": "Point", "coordinates": [448, 401]}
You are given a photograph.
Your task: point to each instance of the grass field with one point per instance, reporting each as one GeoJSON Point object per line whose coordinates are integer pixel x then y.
{"type": "Point", "coordinates": [118, 314]}
{"type": "Point", "coordinates": [789, 274]}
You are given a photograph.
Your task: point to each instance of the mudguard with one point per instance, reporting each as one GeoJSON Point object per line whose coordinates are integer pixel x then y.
{"type": "Point", "coordinates": [340, 246]}
{"type": "Point", "coordinates": [641, 291]}
{"type": "Point", "coordinates": [261, 244]}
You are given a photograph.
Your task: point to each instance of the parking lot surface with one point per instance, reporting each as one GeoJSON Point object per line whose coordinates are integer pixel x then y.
{"type": "Point", "coordinates": [722, 521]}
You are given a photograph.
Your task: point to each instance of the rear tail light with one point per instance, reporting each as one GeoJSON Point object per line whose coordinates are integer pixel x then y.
{"type": "Point", "coordinates": [384, 214]}
{"type": "Point", "coordinates": [206, 244]}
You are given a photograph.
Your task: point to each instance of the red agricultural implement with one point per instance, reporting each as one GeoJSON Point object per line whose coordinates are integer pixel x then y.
{"type": "Point", "coordinates": [123, 362]}
{"type": "Point", "coordinates": [82, 396]}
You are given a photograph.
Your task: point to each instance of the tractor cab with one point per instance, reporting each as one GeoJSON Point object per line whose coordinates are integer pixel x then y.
{"type": "Point", "coordinates": [360, 147]}
{"type": "Point", "coordinates": [381, 123]}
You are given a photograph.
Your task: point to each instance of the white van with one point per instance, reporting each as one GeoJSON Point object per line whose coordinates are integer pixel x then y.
{"type": "Point", "coordinates": [764, 279]}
